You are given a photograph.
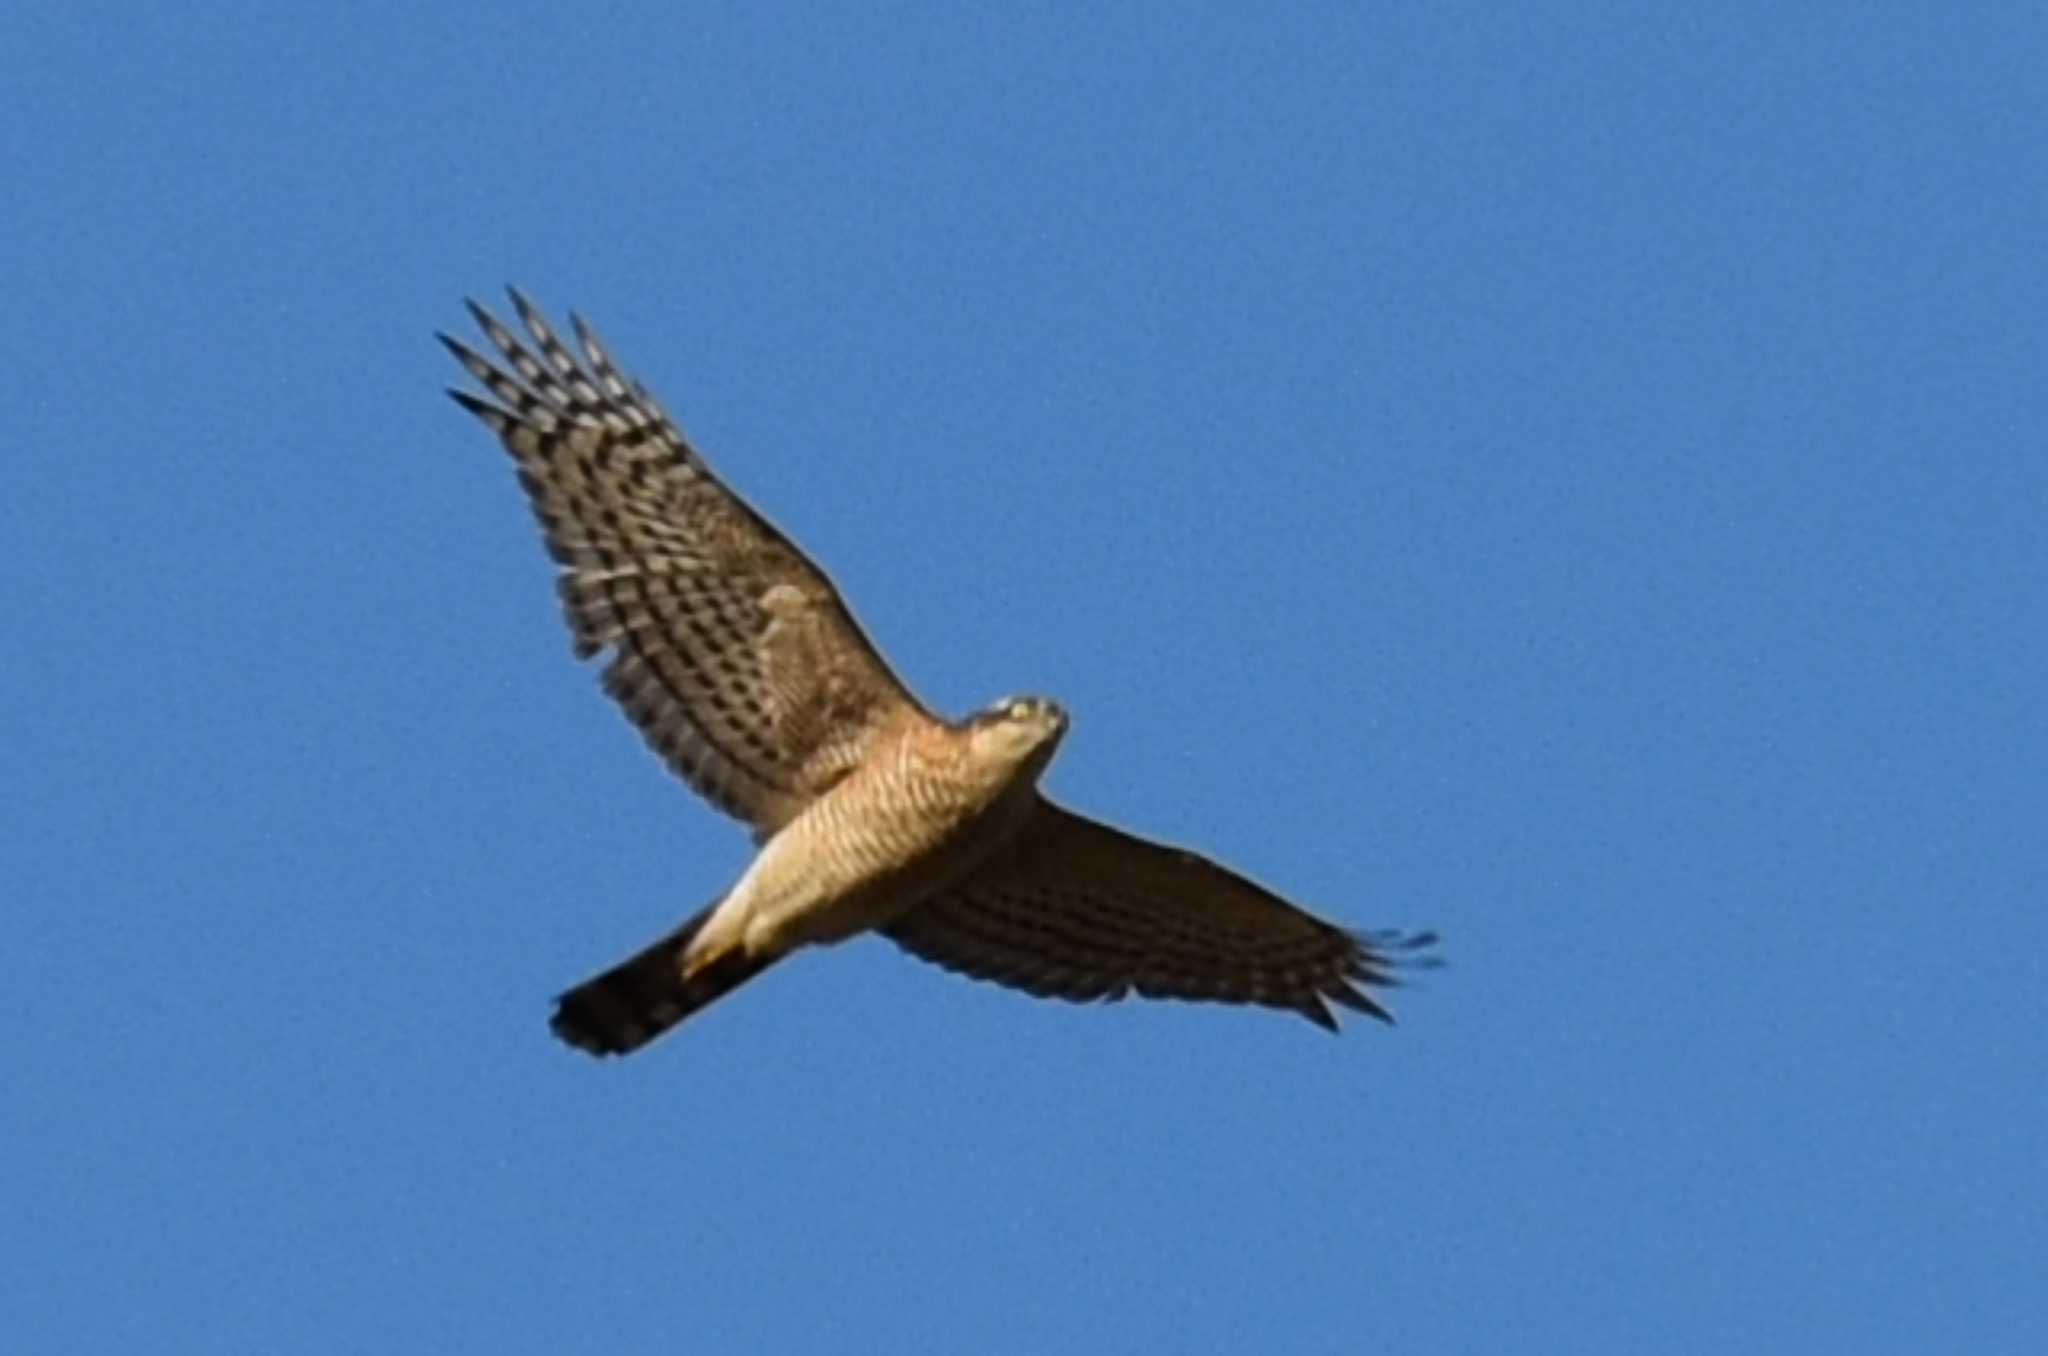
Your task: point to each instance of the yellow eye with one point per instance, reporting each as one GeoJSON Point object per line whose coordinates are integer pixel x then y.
{"type": "Point", "coordinates": [1019, 710]}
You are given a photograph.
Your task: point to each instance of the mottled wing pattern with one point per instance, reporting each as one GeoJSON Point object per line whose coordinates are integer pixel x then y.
{"type": "Point", "coordinates": [729, 649]}
{"type": "Point", "coordinates": [1078, 910]}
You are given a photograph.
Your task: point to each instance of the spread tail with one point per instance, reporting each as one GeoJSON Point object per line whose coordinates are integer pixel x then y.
{"type": "Point", "coordinates": [619, 1011]}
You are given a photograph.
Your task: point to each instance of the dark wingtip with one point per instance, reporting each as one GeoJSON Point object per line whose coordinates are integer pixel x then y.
{"type": "Point", "coordinates": [1416, 941]}
{"type": "Point", "coordinates": [482, 315]}
{"type": "Point", "coordinates": [1358, 1002]}
{"type": "Point", "coordinates": [1315, 1010]}
{"type": "Point", "coordinates": [523, 304]}
{"type": "Point", "coordinates": [1375, 956]}
{"type": "Point", "coordinates": [482, 409]}
{"type": "Point", "coordinates": [1397, 950]}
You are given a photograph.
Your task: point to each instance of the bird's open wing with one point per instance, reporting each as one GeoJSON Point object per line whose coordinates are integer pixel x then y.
{"type": "Point", "coordinates": [1078, 910]}
{"type": "Point", "coordinates": [732, 652]}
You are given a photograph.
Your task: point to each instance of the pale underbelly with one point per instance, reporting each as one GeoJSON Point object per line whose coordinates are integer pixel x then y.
{"type": "Point", "coordinates": [809, 890]}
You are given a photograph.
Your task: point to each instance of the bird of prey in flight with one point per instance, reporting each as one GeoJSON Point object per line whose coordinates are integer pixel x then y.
{"type": "Point", "coordinates": [743, 669]}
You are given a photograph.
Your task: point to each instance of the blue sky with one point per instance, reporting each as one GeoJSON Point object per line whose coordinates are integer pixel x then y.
{"type": "Point", "coordinates": [1571, 477]}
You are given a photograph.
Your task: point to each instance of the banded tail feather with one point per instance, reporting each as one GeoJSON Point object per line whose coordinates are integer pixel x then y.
{"type": "Point", "coordinates": [617, 1012]}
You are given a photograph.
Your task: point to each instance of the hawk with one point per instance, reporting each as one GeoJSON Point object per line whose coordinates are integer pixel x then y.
{"type": "Point", "coordinates": [744, 671]}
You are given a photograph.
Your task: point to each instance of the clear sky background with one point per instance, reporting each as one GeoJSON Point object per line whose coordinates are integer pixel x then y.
{"type": "Point", "coordinates": [1569, 476]}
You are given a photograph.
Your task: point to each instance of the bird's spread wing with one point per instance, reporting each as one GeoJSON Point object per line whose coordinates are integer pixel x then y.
{"type": "Point", "coordinates": [732, 652]}
{"type": "Point", "coordinates": [1078, 910]}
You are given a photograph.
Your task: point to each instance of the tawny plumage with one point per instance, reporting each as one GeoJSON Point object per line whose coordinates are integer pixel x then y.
{"type": "Point", "coordinates": [744, 671]}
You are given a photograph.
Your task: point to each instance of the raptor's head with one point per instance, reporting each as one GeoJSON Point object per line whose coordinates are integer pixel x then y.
{"type": "Point", "coordinates": [1018, 730]}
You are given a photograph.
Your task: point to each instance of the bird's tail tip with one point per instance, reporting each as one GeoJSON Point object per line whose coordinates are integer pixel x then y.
{"type": "Point", "coordinates": [617, 1012]}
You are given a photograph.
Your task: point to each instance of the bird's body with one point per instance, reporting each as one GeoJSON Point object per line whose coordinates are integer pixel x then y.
{"type": "Point", "coordinates": [745, 672]}
{"type": "Point", "coordinates": [911, 822]}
